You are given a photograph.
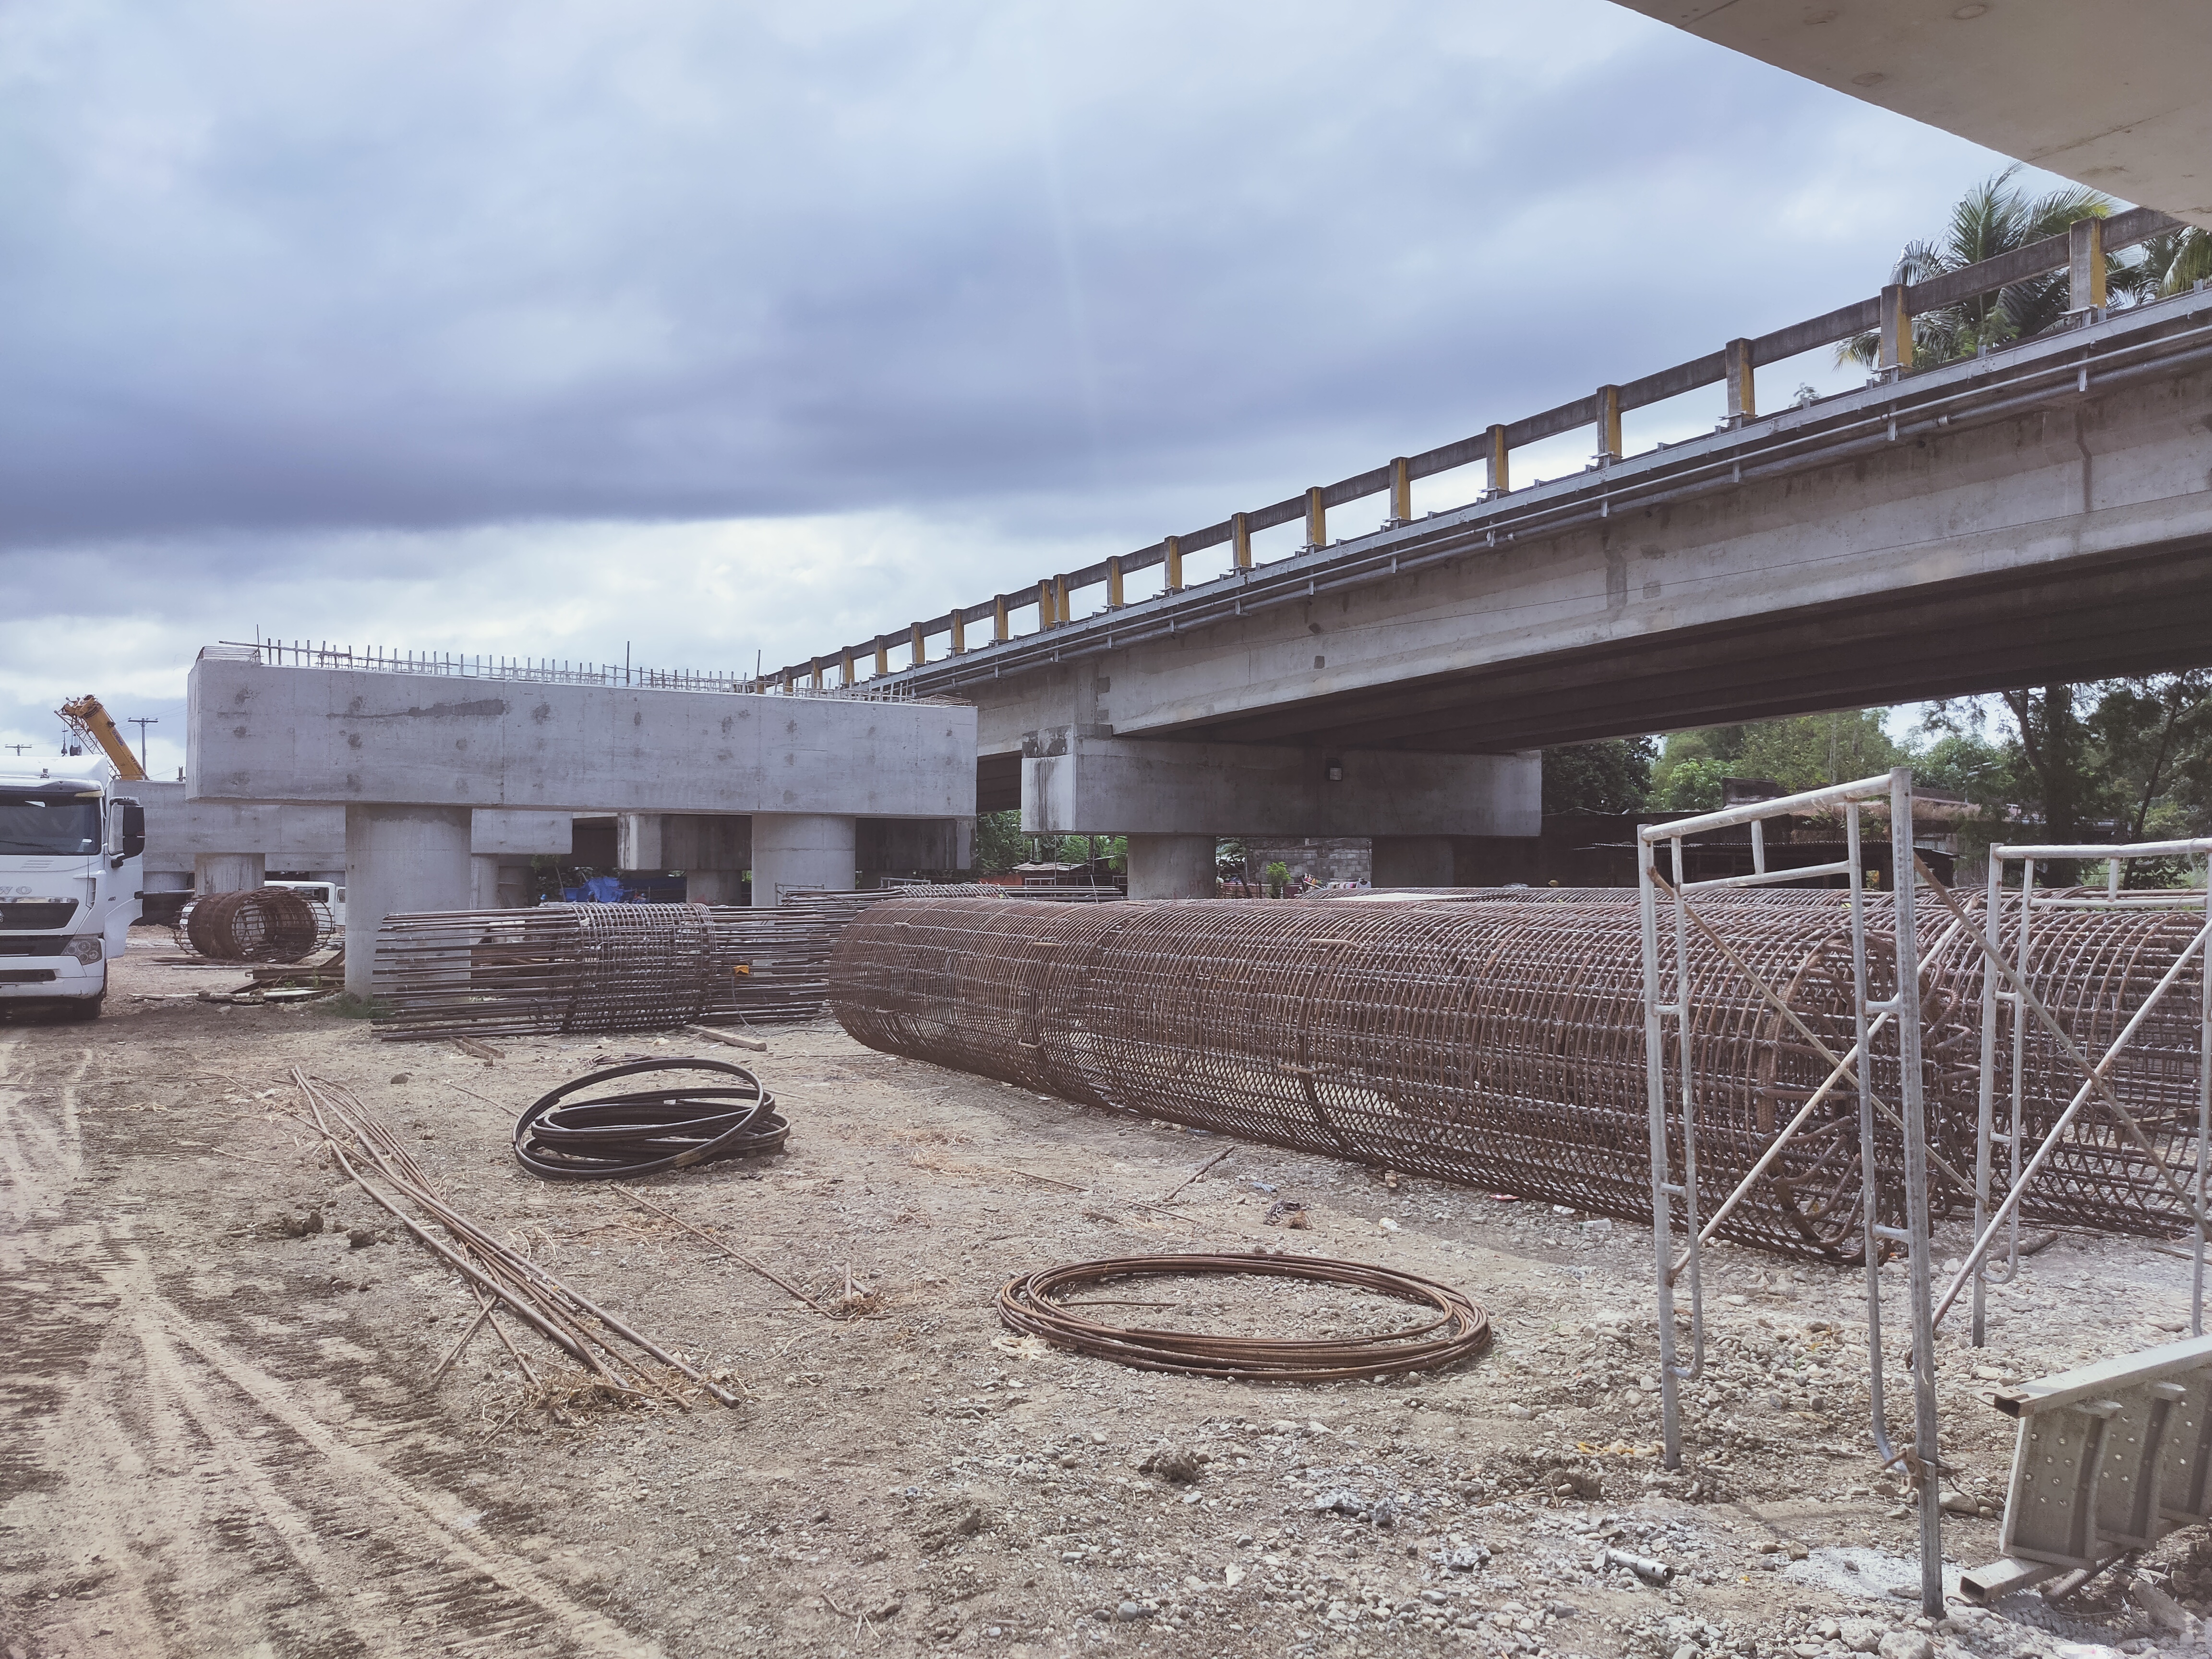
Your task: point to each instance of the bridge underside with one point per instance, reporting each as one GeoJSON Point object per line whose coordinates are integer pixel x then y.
{"type": "Point", "coordinates": [2145, 612]}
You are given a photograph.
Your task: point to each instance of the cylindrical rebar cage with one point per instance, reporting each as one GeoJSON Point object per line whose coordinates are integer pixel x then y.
{"type": "Point", "coordinates": [254, 924]}
{"type": "Point", "coordinates": [1499, 1044]}
{"type": "Point", "coordinates": [2094, 968]}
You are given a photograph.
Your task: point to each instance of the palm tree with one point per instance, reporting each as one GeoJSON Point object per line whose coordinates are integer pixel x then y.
{"type": "Point", "coordinates": [1994, 217]}
{"type": "Point", "coordinates": [2175, 263]}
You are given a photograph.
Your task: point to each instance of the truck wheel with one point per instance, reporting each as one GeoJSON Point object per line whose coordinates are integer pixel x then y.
{"type": "Point", "coordinates": [84, 1008]}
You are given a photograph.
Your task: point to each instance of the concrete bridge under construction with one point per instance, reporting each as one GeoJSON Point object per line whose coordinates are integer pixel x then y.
{"type": "Point", "coordinates": [2041, 512]}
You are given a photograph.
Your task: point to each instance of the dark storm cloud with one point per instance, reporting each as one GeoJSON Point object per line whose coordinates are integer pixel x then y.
{"type": "Point", "coordinates": [276, 270]}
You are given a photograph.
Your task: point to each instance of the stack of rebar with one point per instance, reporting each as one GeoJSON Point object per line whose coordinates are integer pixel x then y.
{"type": "Point", "coordinates": [605, 968]}
{"type": "Point", "coordinates": [500, 1277]}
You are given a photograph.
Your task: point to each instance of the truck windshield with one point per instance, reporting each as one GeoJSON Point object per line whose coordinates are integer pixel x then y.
{"type": "Point", "coordinates": [49, 820]}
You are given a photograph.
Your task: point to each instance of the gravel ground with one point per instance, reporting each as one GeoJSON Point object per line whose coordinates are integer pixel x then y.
{"type": "Point", "coordinates": [217, 1438]}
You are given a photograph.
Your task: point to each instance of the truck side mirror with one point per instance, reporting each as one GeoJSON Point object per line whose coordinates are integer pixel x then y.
{"type": "Point", "coordinates": [134, 827]}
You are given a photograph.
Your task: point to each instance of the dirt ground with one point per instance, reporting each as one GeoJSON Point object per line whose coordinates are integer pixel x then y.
{"type": "Point", "coordinates": [218, 1440]}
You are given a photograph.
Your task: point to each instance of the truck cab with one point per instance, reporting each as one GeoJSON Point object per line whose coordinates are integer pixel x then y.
{"type": "Point", "coordinates": [70, 874]}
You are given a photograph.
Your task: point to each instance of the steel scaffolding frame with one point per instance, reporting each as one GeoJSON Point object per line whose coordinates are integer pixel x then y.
{"type": "Point", "coordinates": [2007, 998]}
{"type": "Point", "coordinates": [1669, 995]}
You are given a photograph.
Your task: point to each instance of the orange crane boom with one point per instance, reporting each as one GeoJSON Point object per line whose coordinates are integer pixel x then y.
{"type": "Point", "coordinates": [86, 715]}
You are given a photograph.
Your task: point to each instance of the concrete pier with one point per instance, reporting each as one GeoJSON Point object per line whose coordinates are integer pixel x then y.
{"type": "Point", "coordinates": [801, 849]}
{"type": "Point", "coordinates": [401, 858]}
{"type": "Point", "coordinates": [1171, 866]}
{"type": "Point", "coordinates": [1412, 861]}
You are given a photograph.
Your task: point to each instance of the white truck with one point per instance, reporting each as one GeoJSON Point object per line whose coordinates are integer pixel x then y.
{"type": "Point", "coordinates": [70, 875]}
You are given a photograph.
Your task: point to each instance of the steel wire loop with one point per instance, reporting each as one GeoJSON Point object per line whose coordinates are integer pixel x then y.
{"type": "Point", "coordinates": [1029, 1304]}
{"type": "Point", "coordinates": [650, 1131]}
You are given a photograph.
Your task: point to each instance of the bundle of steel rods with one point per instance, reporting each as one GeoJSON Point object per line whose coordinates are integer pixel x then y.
{"type": "Point", "coordinates": [595, 1340]}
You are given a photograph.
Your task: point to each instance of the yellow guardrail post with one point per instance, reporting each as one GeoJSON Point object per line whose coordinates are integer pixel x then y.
{"type": "Point", "coordinates": [1895, 330]}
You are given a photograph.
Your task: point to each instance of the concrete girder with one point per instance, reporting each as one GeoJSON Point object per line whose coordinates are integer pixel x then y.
{"type": "Point", "coordinates": [2068, 539]}
{"type": "Point", "coordinates": [2111, 96]}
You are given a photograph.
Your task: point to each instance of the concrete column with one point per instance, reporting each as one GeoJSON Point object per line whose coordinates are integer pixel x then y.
{"type": "Point", "coordinates": [713, 886]}
{"type": "Point", "coordinates": [801, 849]}
{"type": "Point", "coordinates": [228, 872]}
{"type": "Point", "coordinates": [1171, 866]}
{"type": "Point", "coordinates": [400, 859]}
{"type": "Point", "coordinates": [639, 839]}
{"type": "Point", "coordinates": [713, 851]}
{"type": "Point", "coordinates": [1412, 861]}
{"type": "Point", "coordinates": [497, 883]}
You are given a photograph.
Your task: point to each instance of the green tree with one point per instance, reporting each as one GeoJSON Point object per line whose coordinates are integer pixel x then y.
{"type": "Point", "coordinates": [1711, 753]}
{"type": "Point", "coordinates": [1693, 785]}
{"type": "Point", "coordinates": [1812, 751]}
{"type": "Point", "coordinates": [1967, 765]}
{"type": "Point", "coordinates": [1000, 843]}
{"type": "Point", "coordinates": [2175, 263]}
{"type": "Point", "coordinates": [2123, 759]}
{"type": "Point", "coordinates": [2153, 739]}
{"type": "Point", "coordinates": [1803, 752]}
{"type": "Point", "coordinates": [1612, 777]}
{"type": "Point", "coordinates": [1996, 217]}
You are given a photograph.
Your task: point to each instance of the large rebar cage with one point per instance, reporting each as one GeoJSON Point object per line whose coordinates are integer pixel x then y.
{"type": "Point", "coordinates": [2093, 968]}
{"type": "Point", "coordinates": [1499, 1044]}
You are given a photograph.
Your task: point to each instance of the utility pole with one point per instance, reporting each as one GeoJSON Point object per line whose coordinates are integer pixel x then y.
{"type": "Point", "coordinates": [20, 747]}
{"type": "Point", "coordinates": [141, 723]}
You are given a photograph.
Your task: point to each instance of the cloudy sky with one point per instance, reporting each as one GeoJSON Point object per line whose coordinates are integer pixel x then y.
{"type": "Point", "coordinates": [710, 330]}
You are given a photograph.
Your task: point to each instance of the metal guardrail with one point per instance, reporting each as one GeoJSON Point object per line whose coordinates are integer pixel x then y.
{"type": "Point", "coordinates": [2081, 253]}
{"type": "Point", "coordinates": [548, 671]}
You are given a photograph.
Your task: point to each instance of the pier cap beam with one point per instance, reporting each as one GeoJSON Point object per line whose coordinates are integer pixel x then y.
{"type": "Point", "coordinates": [1075, 783]}
{"type": "Point", "coordinates": [260, 732]}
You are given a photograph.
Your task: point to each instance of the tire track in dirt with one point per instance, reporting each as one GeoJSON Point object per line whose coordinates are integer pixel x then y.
{"type": "Point", "coordinates": [161, 1494]}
